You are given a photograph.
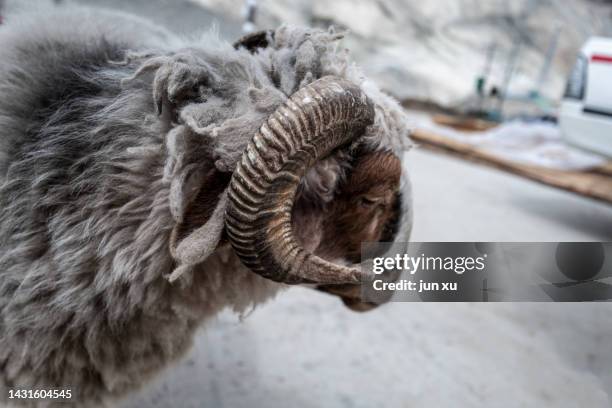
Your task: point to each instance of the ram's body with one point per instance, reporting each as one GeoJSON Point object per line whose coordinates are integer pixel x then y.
{"type": "Point", "coordinates": [94, 182]}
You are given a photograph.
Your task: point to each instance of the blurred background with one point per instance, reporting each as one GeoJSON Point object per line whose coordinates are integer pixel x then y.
{"type": "Point", "coordinates": [511, 106]}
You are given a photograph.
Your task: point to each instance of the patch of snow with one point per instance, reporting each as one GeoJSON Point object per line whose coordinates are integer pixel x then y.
{"type": "Point", "coordinates": [434, 50]}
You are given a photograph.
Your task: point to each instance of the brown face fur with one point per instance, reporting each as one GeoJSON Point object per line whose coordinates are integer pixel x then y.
{"type": "Point", "coordinates": [366, 208]}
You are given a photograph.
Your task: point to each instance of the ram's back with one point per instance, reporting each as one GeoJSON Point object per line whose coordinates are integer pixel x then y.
{"type": "Point", "coordinates": [53, 65]}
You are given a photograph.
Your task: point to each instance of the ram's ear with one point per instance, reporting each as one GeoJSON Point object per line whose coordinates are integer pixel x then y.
{"type": "Point", "coordinates": [256, 40]}
{"type": "Point", "coordinates": [200, 229]}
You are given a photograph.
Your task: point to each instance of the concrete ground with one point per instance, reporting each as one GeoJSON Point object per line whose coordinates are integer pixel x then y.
{"type": "Point", "coordinates": [460, 201]}
{"type": "Point", "coordinates": [304, 349]}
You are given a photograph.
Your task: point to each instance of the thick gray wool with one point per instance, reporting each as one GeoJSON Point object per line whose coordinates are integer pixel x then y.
{"type": "Point", "coordinates": [109, 127]}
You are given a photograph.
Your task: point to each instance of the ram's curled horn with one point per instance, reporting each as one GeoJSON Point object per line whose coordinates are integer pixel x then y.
{"type": "Point", "coordinates": [326, 114]}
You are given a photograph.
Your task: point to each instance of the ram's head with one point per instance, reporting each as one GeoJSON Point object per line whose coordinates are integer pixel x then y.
{"type": "Point", "coordinates": [304, 159]}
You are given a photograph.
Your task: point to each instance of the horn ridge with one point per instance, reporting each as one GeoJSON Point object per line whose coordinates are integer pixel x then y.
{"type": "Point", "coordinates": [315, 120]}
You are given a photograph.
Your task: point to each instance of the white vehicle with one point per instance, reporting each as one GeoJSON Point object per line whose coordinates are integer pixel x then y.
{"type": "Point", "coordinates": [585, 117]}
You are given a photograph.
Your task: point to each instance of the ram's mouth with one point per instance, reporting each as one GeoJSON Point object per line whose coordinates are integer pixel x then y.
{"type": "Point", "coordinates": [351, 296]}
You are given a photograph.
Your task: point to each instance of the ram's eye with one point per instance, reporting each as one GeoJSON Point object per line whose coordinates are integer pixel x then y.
{"type": "Point", "coordinates": [368, 201]}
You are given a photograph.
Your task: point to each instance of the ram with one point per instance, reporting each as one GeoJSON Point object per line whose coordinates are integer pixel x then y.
{"type": "Point", "coordinates": [148, 182]}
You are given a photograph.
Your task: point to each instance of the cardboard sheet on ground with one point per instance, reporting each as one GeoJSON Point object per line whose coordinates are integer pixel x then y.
{"type": "Point", "coordinates": [532, 150]}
